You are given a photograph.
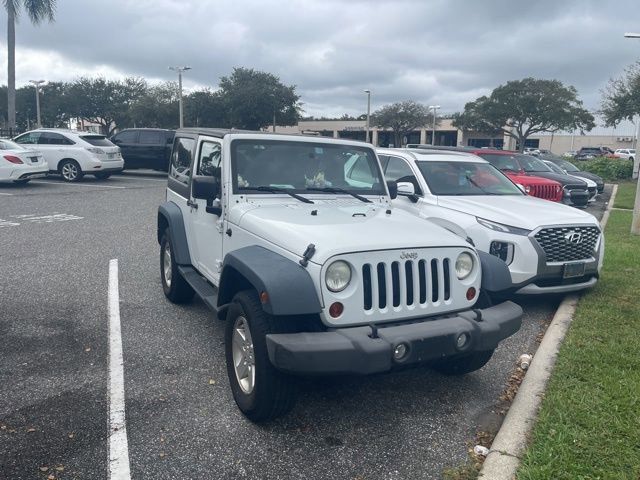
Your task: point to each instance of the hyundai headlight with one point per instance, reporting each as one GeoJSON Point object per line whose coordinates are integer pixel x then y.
{"type": "Point", "coordinates": [338, 276]}
{"type": "Point", "coordinates": [464, 265]}
{"type": "Point", "coordinates": [499, 227]}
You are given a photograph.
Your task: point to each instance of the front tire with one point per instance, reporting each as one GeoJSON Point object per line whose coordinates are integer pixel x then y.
{"type": "Point", "coordinates": [259, 389]}
{"type": "Point", "coordinates": [463, 365]}
{"type": "Point", "coordinates": [70, 171]}
{"type": "Point", "coordinates": [175, 287]}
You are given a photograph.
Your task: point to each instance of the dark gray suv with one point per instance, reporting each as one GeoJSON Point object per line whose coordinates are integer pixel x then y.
{"type": "Point", "coordinates": [145, 147]}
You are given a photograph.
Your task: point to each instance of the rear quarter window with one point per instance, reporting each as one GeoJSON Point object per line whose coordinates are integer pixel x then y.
{"type": "Point", "coordinates": [97, 140]}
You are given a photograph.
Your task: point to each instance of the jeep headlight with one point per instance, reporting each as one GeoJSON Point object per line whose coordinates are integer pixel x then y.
{"type": "Point", "coordinates": [338, 276]}
{"type": "Point", "coordinates": [464, 265]}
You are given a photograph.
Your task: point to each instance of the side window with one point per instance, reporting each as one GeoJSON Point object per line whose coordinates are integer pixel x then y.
{"type": "Point", "coordinates": [28, 138]}
{"type": "Point", "coordinates": [399, 170]}
{"type": "Point", "coordinates": [128, 136]}
{"type": "Point", "coordinates": [151, 138]}
{"type": "Point", "coordinates": [50, 138]}
{"type": "Point", "coordinates": [181, 160]}
{"type": "Point", "coordinates": [209, 159]}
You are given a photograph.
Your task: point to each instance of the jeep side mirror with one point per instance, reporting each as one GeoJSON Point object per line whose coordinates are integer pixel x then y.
{"type": "Point", "coordinates": [205, 188]}
{"type": "Point", "coordinates": [406, 188]}
{"type": "Point", "coordinates": [393, 189]}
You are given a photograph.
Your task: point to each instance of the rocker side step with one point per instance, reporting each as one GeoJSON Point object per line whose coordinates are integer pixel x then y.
{"type": "Point", "coordinates": [207, 292]}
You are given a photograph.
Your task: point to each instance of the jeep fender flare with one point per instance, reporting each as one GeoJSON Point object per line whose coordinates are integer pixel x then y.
{"type": "Point", "coordinates": [170, 216]}
{"type": "Point", "coordinates": [287, 284]}
{"type": "Point", "coordinates": [495, 273]}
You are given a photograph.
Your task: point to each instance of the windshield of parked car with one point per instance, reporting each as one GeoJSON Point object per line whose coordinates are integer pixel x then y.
{"type": "Point", "coordinates": [304, 167]}
{"type": "Point", "coordinates": [9, 145]}
{"type": "Point", "coordinates": [568, 166]}
{"type": "Point", "coordinates": [532, 164]}
{"type": "Point", "coordinates": [555, 168]}
{"type": "Point", "coordinates": [466, 178]}
{"type": "Point", "coordinates": [97, 140]}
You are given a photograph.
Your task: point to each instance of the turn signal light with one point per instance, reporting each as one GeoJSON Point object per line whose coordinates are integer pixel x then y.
{"type": "Point", "coordinates": [336, 309]}
{"type": "Point", "coordinates": [471, 293]}
{"type": "Point", "coordinates": [12, 159]}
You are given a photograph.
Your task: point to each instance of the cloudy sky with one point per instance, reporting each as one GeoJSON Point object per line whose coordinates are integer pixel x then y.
{"type": "Point", "coordinates": [445, 52]}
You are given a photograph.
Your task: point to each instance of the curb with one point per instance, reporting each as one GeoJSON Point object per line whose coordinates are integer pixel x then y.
{"type": "Point", "coordinates": [505, 454]}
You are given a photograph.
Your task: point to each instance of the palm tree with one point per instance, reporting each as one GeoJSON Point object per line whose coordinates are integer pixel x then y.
{"type": "Point", "coordinates": [38, 10]}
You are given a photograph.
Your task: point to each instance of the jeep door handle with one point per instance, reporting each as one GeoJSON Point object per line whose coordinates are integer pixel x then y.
{"type": "Point", "coordinates": [192, 204]}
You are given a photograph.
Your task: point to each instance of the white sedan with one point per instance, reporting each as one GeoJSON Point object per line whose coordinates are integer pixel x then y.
{"type": "Point", "coordinates": [19, 164]}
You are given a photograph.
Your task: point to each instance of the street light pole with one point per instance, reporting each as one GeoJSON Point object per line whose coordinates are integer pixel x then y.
{"type": "Point", "coordinates": [368, 92]}
{"type": "Point", "coordinates": [635, 222]}
{"type": "Point", "coordinates": [435, 113]}
{"type": "Point", "coordinates": [37, 83]}
{"type": "Point", "coordinates": [180, 70]}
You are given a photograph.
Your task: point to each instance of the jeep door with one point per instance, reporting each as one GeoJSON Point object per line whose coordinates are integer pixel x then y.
{"type": "Point", "coordinates": [207, 228]}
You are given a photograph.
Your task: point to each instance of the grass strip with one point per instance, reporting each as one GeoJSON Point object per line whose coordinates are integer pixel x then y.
{"type": "Point", "coordinates": [589, 422]}
{"type": "Point", "coordinates": [626, 195]}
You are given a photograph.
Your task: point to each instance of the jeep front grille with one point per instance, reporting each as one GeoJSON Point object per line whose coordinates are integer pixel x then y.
{"type": "Point", "coordinates": [546, 191]}
{"type": "Point", "coordinates": [405, 283]}
{"type": "Point", "coordinates": [566, 244]}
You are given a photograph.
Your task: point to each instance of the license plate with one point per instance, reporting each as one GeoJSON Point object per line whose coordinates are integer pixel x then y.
{"type": "Point", "coordinates": [111, 155]}
{"type": "Point", "coordinates": [33, 159]}
{"type": "Point", "coordinates": [573, 270]}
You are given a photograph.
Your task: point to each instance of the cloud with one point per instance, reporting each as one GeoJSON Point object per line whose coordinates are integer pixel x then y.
{"type": "Point", "coordinates": [438, 51]}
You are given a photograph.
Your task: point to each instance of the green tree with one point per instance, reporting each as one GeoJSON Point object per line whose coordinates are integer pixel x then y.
{"type": "Point", "coordinates": [621, 97]}
{"type": "Point", "coordinates": [521, 108]}
{"type": "Point", "coordinates": [158, 107]}
{"type": "Point", "coordinates": [253, 98]}
{"type": "Point", "coordinates": [38, 10]}
{"type": "Point", "coordinates": [106, 102]}
{"type": "Point", "coordinates": [206, 108]}
{"type": "Point", "coordinates": [402, 118]}
{"type": "Point", "coordinates": [54, 106]}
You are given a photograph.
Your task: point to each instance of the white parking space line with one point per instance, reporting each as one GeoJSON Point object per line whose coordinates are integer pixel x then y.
{"type": "Point", "coordinates": [75, 184]}
{"type": "Point", "coordinates": [118, 446]}
{"type": "Point", "coordinates": [8, 194]}
{"type": "Point", "coordinates": [158, 180]}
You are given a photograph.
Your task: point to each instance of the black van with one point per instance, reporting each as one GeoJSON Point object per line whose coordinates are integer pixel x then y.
{"type": "Point", "coordinates": [145, 147]}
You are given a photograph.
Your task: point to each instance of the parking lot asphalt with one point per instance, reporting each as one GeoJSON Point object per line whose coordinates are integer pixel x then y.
{"type": "Point", "coordinates": [57, 240]}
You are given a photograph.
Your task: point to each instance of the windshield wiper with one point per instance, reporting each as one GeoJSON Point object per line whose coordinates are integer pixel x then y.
{"type": "Point", "coordinates": [475, 184]}
{"type": "Point", "coordinates": [338, 190]}
{"type": "Point", "coordinates": [267, 188]}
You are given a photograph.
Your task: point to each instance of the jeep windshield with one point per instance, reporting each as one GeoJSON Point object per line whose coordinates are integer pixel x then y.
{"type": "Point", "coordinates": [276, 167]}
{"type": "Point", "coordinates": [466, 178]}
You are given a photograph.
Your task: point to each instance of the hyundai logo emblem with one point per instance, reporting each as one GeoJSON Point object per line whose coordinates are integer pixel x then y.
{"type": "Point", "coordinates": [573, 237]}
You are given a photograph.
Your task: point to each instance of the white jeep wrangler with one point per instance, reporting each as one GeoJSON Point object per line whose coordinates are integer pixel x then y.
{"type": "Point", "coordinates": [293, 241]}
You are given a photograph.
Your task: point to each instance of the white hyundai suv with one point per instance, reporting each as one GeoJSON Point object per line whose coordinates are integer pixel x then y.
{"type": "Point", "coordinates": [74, 154]}
{"type": "Point", "coordinates": [549, 247]}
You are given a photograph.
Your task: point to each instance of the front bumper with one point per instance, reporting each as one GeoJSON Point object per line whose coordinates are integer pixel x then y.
{"type": "Point", "coordinates": [353, 350]}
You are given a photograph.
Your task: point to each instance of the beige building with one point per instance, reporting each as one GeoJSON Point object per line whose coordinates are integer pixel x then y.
{"type": "Point", "coordinates": [447, 134]}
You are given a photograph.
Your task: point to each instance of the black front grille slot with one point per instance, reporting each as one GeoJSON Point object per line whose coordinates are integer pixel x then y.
{"type": "Point", "coordinates": [408, 277]}
{"type": "Point", "coordinates": [395, 283]}
{"type": "Point", "coordinates": [382, 286]}
{"type": "Point", "coordinates": [435, 283]}
{"type": "Point", "coordinates": [366, 285]}
{"type": "Point", "coordinates": [422, 280]}
{"type": "Point", "coordinates": [447, 279]}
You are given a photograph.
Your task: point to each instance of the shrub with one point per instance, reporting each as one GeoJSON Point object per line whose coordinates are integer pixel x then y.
{"type": "Point", "coordinates": [610, 169]}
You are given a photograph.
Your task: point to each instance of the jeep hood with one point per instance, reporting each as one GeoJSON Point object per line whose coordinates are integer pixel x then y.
{"type": "Point", "coordinates": [339, 229]}
{"type": "Point", "coordinates": [517, 211]}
